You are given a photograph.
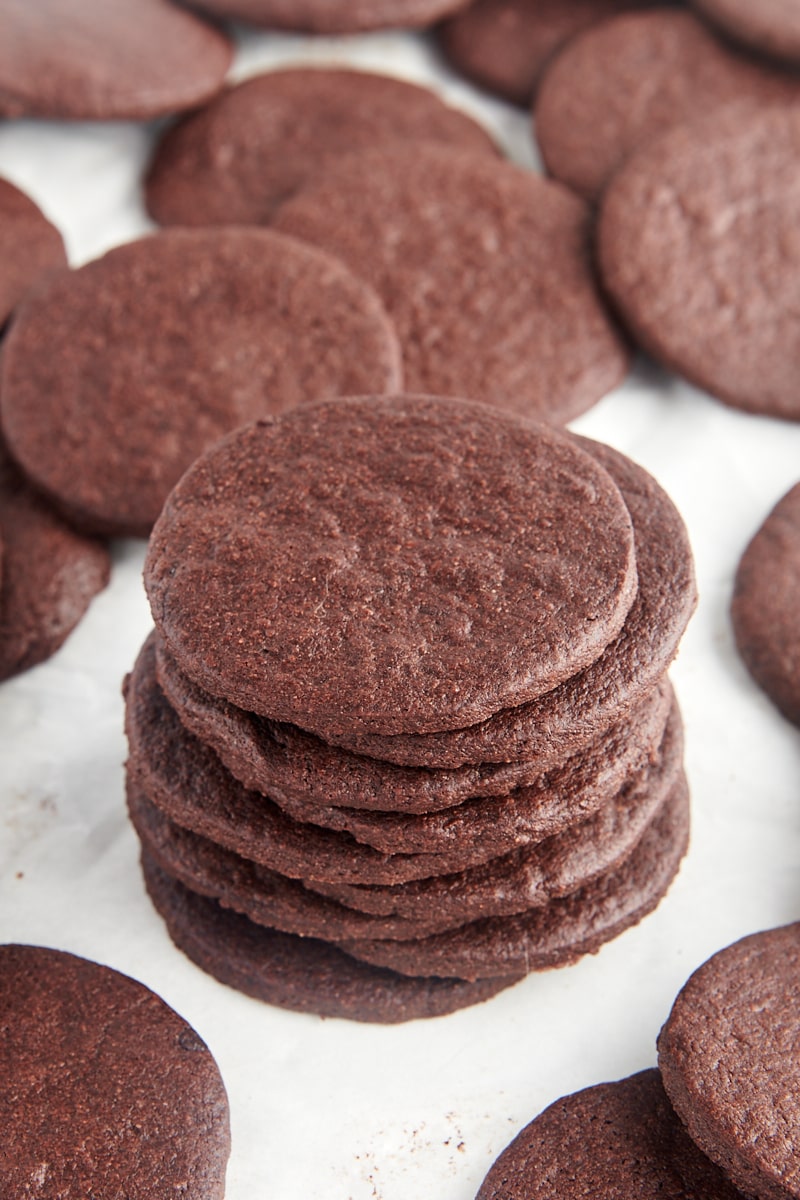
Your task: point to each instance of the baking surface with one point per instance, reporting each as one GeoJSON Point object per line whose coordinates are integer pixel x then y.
{"type": "Point", "coordinates": [326, 1108]}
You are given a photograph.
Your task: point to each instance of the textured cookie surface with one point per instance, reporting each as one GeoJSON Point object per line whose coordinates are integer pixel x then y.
{"type": "Point", "coordinates": [504, 44]}
{"type": "Point", "coordinates": [526, 878]}
{"type": "Point", "coordinates": [567, 718]}
{"type": "Point", "coordinates": [29, 247]}
{"type": "Point", "coordinates": [333, 16]}
{"type": "Point", "coordinates": [104, 1090]}
{"type": "Point", "coordinates": [699, 250]}
{"type": "Point", "coordinates": [485, 269]}
{"type": "Point", "coordinates": [67, 58]}
{"type": "Point", "coordinates": [188, 783]}
{"type": "Point", "coordinates": [303, 974]}
{"type": "Point", "coordinates": [765, 609]}
{"type": "Point", "coordinates": [612, 1141]}
{"type": "Point", "coordinates": [669, 68]}
{"type": "Point", "coordinates": [563, 930]}
{"type": "Point", "coordinates": [406, 563]}
{"type": "Point", "coordinates": [50, 574]}
{"type": "Point", "coordinates": [770, 25]}
{"type": "Point", "coordinates": [730, 1060]}
{"type": "Point", "coordinates": [237, 160]}
{"type": "Point", "coordinates": [117, 376]}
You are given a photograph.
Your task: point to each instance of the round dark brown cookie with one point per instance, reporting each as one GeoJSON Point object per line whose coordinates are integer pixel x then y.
{"type": "Point", "coordinates": [29, 247]}
{"type": "Point", "coordinates": [485, 268]}
{"type": "Point", "coordinates": [668, 68]}
{"type": "Point", "coordinates": [772, 26]}
{"type": "Point", "coordinates": [537, 873]}
{"type": "Point", "coordinates": [187, 781]}
{"type": "Point", "coordinates": [527, 878]}
{"type": "Point", "coordinates": [328, 786]}
{"type": "Point", "coordinates": [614, 1140]}
{"type": "Point", "coordinates": [50, 574]}
{"type": "Point", "coordinates": [729, 1060]}
{"type": "Point", "coordinates": [393, 564]}
{"type": "Point", "coordinates": [562, 931]}
{"type": "Point", "coordinates": [504, 45]}
{"type": "Point", "coordinates": [302, 974]}
{"type": "Point", "coordinates": [67, 58]}
{"type": "Point", "coordinates": [104, 1090]}
{"type": "Point", "coordinates": [697, 249]}
{"type": "Point", "coordinates": [764, 611]}
{"type": "Point", "coordinates": [237, 160]}
{"type": "Point", "coordinates": [115, 377]}
{"type": "Point", "coordinates": [568, 718]}
{"type": "Point", "coordinates": [332, 16]}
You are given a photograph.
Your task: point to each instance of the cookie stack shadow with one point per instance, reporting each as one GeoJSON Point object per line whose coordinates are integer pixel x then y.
{"type": "Point", "coordinates": [333, 866]}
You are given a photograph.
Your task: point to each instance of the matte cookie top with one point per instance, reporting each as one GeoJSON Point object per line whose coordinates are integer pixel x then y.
{"type": "Point", "coordinates": [403, 563]}
{"type": "Point", "coordinates": [503, 45]}
{"type": "Point", "coordinates": [333, 16]}
{"type": "Point", "coordinates": [730, 1060]}
{"type": "Point", "coordinates": [669, 68]}
{"type": "Point", "coordinates": [769, 25]}
{"type": "Point", "coordinates": [699, 250]}
{"type": "Point", "coordinates": [610, 1141]}
{"type": "Point", "coordinates": [104, 1090]}
{"type": "Point", "coordinates": [237, 160]}
{"type": "Point", "coordinates": [485, 269]}
{"type": "Point", "coordinates": [117, 376]}
{"type": "Point", "coordinates": [765, 611]}
{"type": "Point", "coordinates": [67, 58]}
{"type": "Point", "coordinates": [29, 246]}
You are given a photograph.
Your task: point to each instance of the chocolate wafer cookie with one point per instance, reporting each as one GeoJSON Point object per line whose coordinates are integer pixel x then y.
{"type": "Point", "coordinates": [104, 1091]}
{"type": "Point", "coordinates": [66, 58]}
{"type": "Point", "coordinates": [361, 550]}
{"type": "Point", "coordinates": [303, 974]}
{"type": "Point", "coordinates": [486, 270]}
{"type": "Point", "coordinates": [613, 1140]}
{"type": "Point", "coordinates": [29, 247]}
{"type": "Point", "coordinates": [764, 610]}
{"type": "Point", "coordinates": [237, 160]}
{"type": "Point", "coordinates": [50, 574]}
{"type": "Point", "coordinates": [728, 1055]}
{"type": "Point", "coordinates": [669, 68]}
{"type": "Point", "coordinates": [117, 376]}
{"type": "Point", "coordinates": [332, 16]}
{"type": "Point", "coordinates": [696, 247]}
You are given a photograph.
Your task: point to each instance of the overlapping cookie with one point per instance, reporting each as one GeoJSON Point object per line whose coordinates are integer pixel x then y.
{"type": "Point", "coordinates": [399, 567]}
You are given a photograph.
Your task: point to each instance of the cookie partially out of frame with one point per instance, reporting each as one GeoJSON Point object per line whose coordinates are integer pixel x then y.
{"type": "Point", "coordinates": [772, 26]}
{"type": "Point", "coordinates": [766, 606]}
{"type": "Point", "coordinates": [332, 16]}
{"type": "Point", "coordinates": [235, 161]}
{"type": "Point", "coordinates": [50, 574]}
{"type": "Point", "coordinates": [303, 974]}
{"type": "Point", "coordinates": [29, 247]}
{"type": "Point", "coordinates": [728, 1055]}
{"type": "Point", "coordinates": [504, 45]}
{"type": "Point", "coordinates": [104, 1090]}
{"type": "Point", "coordinates": [610, 1141]}
{"type": "Point", "coordinates": [698, 250]}
{"type": "Point", "coordinates": [391, 564]}
{"type": "Point", "coordinates": [67, 58]}
{"type": "Point", "coordinates": [486, 270]}
{"type": "Point", "coordinates": [669, 68]}
{"type": "Point", "coordinates": [116, 376]}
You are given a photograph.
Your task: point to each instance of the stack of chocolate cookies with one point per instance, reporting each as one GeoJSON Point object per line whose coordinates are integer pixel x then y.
{"type": "Point", "coordinates": [403, 733]}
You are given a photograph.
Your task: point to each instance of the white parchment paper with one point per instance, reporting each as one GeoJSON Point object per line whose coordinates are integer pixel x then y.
{"type": "Point", "coordinates": [325, 1109]}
